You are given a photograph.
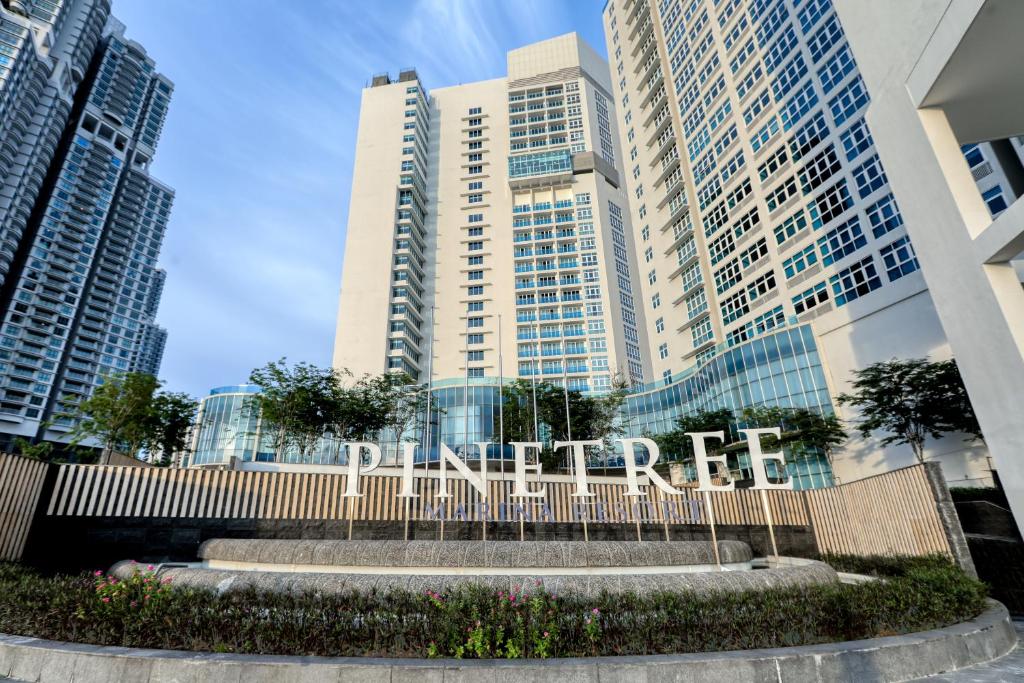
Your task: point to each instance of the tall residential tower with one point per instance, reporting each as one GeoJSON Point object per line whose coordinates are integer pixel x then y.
{"type": "Point", "coordinates": [487, 205]}
{"type": "Point", "coordinates": [81, 218]}
{"type": "Point", "coordinates": [759, 200]}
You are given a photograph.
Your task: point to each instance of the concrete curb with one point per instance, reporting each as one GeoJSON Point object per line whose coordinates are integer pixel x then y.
{"type": "Point", "coordinates": [896, 658]}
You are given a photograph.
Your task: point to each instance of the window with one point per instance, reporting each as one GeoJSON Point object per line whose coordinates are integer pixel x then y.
{"type": "Point", "coordinates": [663, 350]}
{"type": "Point", "coordinates": [648, 254]}
{"type": "Point", "coordinates": [475, 260]}
{"type": "Point", "coordinates": [475, 322]}
{"type": "Point", "coordinates": [761, 285]}
{"type": "Point", "coordinates": [659, 325]}
{"type": "Point", "coordinates": [652, 277]}
{"type": "Point", "coordinates": [899, 258]}
{"type": "Point", "coordinates": [475, 198]}
{"type": "Point", "coordinates": [473, 170]}
{"type": "Point", "coordinates": [772, 164]}
{"type": "Point", "coordinates": [476, 185]}
{"type": "Point", "coordinates": [800, 261]}
{"type": "Point", "coordinates": [973, 154]}
{"type": "Point", "coordinates": [655, 301]}
{"type": "Point", "coordinates": [475, 290]}
{"type": "Point", "coordinates": [702, 333]}
{"type": "Point", "coordinates": [818, 170]}
{"type": "Point", "coordinates": [854, 282]}
{"type": "Point", "coordinates": [884, 216]}
{"type": "Point", "coordinates": [475, 306]}
{"type": "Point", "coordinates": [754, 253]}
{"type": "Point", "coordinates": [475, 355]}
{"type": "Point", "coordinates": [476, 145]}
{"type": "Point", "coordinates": [475, 372]}
{"type": "Point", "coordinates": [781, 193]}
{"type": "Point", "coordinates": [475, 218]}
{"type": "Point", "coordinates": [472, 111]}
{"type": "Point", "coordinates": [830, 204]}
{"type": "Point", "coordinates": [836, 69]}
{"type": "Point", "coordinates": [475, 338]}
{"type": "Point", "coordinates": [849, 101]}
{"type": "Point", "coordinates": [645, 233]}
{"type": "Point", "coordinates": [808, 136]}
{"type": "Point", "coordinates": [824, 38]}
{"type": "Point", "coordinates": [727, 276]}
{"type": "Point", "coordinates": [721, 247]}
{"type": "Point", "coordinates": [735, 307]}
{"type": "Point", "coordinates": [856, 139]}
{"type": "Point", "coordinates": [766, 133]}
{"type": "Point", "coordinates": [475, 232]}
{"type": "Point", "coordinates": [995, 200]}
{"type": "Point", "coordinates": [869, 176]}
{"type": "Point", "coordinates": [841, 241]}
{"type": "Point", "coordinates": [476, 275]}
{"type": "Point", "coordinates": [811, 297]}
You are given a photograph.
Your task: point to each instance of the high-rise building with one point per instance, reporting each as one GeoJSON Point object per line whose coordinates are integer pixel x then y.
{"type": "Point", "coordinates": [81, 219]}
{"type": "Point", "coordinates": [759, 200]}
{"type": "Point", "coordinates": [493, 205]}
{"type": "Point", "coordinates": [944, 76]}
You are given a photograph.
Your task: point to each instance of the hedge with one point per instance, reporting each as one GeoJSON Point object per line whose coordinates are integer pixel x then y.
{"type": "Point", "coordinates": [479, 622]}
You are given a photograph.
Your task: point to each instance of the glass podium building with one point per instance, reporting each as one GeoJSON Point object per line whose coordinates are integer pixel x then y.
{"type": "Point", "coordinates": [779, 369]}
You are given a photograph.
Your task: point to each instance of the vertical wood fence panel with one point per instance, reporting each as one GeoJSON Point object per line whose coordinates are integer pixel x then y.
{"type": "Point", "coordinates": [21, 482]}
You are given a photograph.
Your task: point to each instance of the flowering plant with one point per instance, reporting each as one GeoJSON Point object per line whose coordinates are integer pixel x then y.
{"type": "Point", "coordinates": [143, 590]}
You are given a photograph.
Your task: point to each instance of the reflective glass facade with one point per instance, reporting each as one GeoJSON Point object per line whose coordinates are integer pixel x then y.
{"type": "Point", "coordinates": [780, 369]}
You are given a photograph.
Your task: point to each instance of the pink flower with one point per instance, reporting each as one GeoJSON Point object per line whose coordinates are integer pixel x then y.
{"type": "Point", "coordinates": [97, 573]}
{"type": "Point", "coordinates": [106, 599]}
{"type": "Point", "coordinates": [595, 611]}
{"type": "Point", "coordinates": [545, 634]}
{"type": "Point", "coordinates": [149, 567]}
{"type": "Point", "coordinates": [146, 597]}
{"type": "Point", "coordinates": [132, 603]}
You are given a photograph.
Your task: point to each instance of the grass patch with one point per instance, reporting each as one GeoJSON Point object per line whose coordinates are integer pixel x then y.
{"type": "Point", "coordinates": [478, 622]}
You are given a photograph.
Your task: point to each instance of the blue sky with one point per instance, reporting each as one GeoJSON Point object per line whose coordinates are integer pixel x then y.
{"type": "Point", "coordinates": [259, 148]}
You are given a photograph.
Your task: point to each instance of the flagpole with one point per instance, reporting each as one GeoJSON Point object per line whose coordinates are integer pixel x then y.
{"type": "Point", "coordinates": [501, 414]}
{"type": "Point", "coordinates": [430, 394]}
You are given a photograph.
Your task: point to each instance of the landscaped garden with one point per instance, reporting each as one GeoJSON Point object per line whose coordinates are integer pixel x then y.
{"type": "Point", "coordinates": [915, 594]}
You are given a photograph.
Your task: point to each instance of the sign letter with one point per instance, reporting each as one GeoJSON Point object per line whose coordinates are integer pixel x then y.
{"type": "Point", "coordinates": [758, 459]}
{"type": "Point", "coordinates": [700, 451]}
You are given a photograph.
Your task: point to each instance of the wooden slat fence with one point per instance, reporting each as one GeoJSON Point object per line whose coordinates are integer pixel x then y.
{"type": "Point", "coordinates": [21, 482]}
{"type": "Point", "coordinates": [891, 513]}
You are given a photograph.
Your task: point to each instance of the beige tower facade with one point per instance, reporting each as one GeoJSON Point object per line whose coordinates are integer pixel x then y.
{"type": "Point", "coordinates": [760, 202]}
{"type": "Point", "coordinates": [491, 218]}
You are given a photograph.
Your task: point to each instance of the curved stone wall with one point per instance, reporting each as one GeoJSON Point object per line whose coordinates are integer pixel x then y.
{"type": "Point", "coordinates": [559, 566]}
{"type": "Point", "coordinates": [513, 554]}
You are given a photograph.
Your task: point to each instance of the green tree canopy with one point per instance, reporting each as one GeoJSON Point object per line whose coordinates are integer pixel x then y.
{"type": "Point", "coordinates": [589, 418]}
{"type": "Point", "coordinates": [171, 419]}
{"type": "Point", "coordinates": [296, 403]}
{"type": "Point", "coordinates": [118, 414]}
{"type": "Point", "coordinates": [911, 400]}
{"type": "Point", "coordinates": [678, 447]}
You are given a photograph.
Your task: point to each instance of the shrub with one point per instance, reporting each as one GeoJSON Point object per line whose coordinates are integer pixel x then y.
{"type": "Point", "coordinates": [474, 621]}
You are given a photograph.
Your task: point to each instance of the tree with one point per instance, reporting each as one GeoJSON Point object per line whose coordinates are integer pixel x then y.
{"type": "Point", "coordinates": [911, 400]}
{"type": "Point", "coordinates": [39, 451]}
{"type": "Point", "coordinates": [118, 414]}
{"type": "Point", "coordinates": [297, 404]}
{"type": "Point", "coordinates": [588, 418]}
{"type": "Point", "coordinates": [403, 402]}
{"type": "Point", "coordinates": [171, 420]}
{"type": "Point", "coordinates": [801, 430]}
{"type": "Point", "coordinates": [679, 447]}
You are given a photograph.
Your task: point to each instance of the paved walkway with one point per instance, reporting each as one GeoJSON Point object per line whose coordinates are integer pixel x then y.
{"type": "Point", "coordinates": [1008, 669]}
